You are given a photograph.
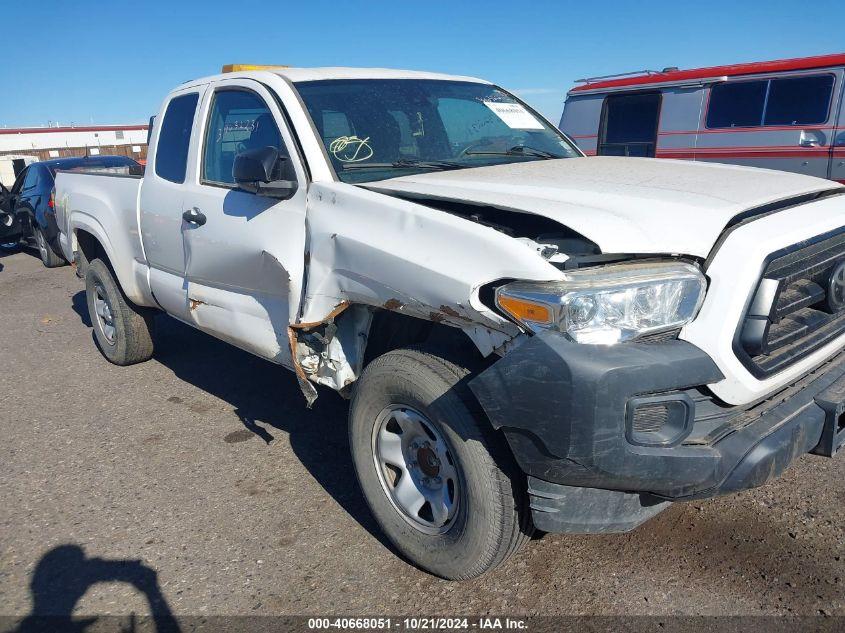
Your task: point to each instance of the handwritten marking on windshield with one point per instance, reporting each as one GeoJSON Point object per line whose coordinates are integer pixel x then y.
{"type": "Point", "coordinates": [351, 149]}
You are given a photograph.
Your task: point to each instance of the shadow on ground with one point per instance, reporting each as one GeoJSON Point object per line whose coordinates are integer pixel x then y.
{"type": "Point", "coordinates": [64, 574]}
{"type": "Point", "coordinates": [267, 400]}
{"type": "Point", "coordinates": [80, 306]}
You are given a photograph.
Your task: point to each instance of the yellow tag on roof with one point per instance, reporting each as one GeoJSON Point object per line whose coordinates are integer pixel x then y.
{"type": "Point", "coordinates": [234, 68]}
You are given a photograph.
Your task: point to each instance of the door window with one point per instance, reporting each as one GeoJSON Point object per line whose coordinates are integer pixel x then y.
{"type": "Point", "coordinates": [174, 138]}
{"type": "Point", "coordinates": [786, 101]}
{"type": "Point", "coordinates": [630, 125]}
{"type": "Point", "coordinates": [239, 121]}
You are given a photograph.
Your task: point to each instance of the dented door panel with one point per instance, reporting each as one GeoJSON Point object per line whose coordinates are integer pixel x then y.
{"type": "Point", "coordinates": [245, 264]}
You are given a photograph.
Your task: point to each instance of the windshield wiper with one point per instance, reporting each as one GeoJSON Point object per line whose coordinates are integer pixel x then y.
{"type": "Point", "coordinates": [406, 163]}
{"type": "Point", "coordinates": [517, 150]}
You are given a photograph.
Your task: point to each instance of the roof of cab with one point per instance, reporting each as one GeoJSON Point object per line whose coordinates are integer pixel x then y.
{"type": "Point", "coordinates": [338, 72]}
{"type": "Point", "coordinates": [669, 77]}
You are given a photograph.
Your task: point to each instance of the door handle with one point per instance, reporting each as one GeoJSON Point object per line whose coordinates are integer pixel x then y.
{"type": "Point", "coordinates": [809, 142]}
{"type": "Point", "coordinates": [194, 216]}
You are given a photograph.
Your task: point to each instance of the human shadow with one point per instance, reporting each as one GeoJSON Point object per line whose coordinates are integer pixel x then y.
{"type": "Point", "coordinates": [266, 398]}
{"type": "Point", "coordinates": [65, 573]}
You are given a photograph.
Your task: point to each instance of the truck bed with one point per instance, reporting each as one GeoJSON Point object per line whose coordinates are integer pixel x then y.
{"type": "Point", "coordinates": [104, 204]}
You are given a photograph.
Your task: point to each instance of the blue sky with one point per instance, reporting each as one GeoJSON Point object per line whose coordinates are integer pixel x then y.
{"type": "Point", "coordinates": [113, 62]}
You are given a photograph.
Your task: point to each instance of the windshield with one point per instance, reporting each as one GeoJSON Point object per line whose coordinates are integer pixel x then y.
{"type": "Point", "coordinates": [382, 128]}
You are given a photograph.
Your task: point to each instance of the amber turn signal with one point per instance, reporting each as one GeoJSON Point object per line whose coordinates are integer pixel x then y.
{"type": "Point", "coordinates": [523, 310]}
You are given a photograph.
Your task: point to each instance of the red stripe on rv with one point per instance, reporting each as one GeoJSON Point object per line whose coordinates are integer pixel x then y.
{"type": "Point", "coordinates": [803, 63]}
{"type": "Point", "coordinates": [733, 153]}
{"type": "Point", "coordinates": [772, 128]}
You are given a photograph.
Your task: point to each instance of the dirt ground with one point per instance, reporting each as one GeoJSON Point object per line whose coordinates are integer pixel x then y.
{"type": "Point", "coordinates": [200, 481]}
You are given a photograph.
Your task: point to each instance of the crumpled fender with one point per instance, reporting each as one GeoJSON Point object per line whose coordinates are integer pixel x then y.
{"type": "Point", "coordinates": [370, 248]}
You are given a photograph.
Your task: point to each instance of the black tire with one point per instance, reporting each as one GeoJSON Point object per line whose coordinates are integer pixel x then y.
{"type": "Point", "coordinates": [45, 251]}
{"type": "Point", "coordinates": [131, 341]}
{"type": "Point", "coordinates": [491, 521]}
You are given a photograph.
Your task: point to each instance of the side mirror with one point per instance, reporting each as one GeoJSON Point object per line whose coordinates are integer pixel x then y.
{"type": "Point", "coordinates": [259, 171]}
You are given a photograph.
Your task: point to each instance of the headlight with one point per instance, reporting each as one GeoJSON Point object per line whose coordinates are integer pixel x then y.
{"type": "Point", "coordinates": [608, 304]}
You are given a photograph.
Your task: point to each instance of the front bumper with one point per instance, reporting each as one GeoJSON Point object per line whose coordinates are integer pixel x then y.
{"type": "Point", "coordinates": [565, 410]}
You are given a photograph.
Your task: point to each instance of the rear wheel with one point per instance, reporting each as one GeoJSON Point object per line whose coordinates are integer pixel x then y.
{"type": "Point", "coordinates": [440, 482]}
{"type": "Point", "coordinates": [123, 330]}
{"type": "Point", "coordinates": [45, 251]}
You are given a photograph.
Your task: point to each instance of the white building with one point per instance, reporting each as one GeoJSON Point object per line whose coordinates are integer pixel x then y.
{"type": "Point", "coordinates": [44, 143]}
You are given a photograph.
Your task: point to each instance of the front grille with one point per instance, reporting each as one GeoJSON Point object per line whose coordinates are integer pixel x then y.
{"type": "Point", "coordinates": [798, 306]}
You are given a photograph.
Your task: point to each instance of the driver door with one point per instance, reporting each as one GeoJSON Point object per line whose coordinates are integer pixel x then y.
{"type": "Point", "coordinates": [244, 253]}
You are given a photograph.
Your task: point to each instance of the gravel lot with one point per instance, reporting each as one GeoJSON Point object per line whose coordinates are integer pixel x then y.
{"type": "Point", "coordinates": [204, 466]}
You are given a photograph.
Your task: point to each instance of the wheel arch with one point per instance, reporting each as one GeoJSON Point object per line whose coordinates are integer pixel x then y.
{"type": "Point", "coordinates": [90, 241]}
{"type": "Point", "coordinates": [335, 351]}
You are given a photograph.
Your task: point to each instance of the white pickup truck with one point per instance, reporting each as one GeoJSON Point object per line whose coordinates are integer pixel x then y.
{"type": "Point", "coordinates": [529, 337]}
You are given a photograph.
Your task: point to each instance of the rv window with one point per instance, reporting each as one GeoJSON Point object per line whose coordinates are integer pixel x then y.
{"type": "Point", "coordinates": [737, 104]}
{"type": "Point", "coordinates": [799, 100]}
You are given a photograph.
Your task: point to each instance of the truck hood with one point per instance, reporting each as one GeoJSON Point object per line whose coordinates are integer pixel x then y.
{"type": "Point", "coordinates": [624, 205]}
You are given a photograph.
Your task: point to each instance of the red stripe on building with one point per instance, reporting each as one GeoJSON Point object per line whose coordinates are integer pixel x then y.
{"type": "Point", "coordinates": [90, 128]}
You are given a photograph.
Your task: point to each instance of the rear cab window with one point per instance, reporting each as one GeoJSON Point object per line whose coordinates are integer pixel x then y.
{"type": "Point", "coordinates": [778, 101]}
{"type": "Point", "coordinates": [171, 158]}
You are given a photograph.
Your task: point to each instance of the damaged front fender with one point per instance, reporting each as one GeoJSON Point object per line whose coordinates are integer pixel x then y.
{"type": "Point", "coordinates": [368, 251]}
{"type": "Point", "coordinates": [368, 248]}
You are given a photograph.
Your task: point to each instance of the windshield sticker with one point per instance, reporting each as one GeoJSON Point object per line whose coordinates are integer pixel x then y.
{"type": "Point", "coordinates": [351, 149]}
{"type": "Point", "coordinates": [514, 115]}
{"type": "Point", "coordinates": [418, 125]}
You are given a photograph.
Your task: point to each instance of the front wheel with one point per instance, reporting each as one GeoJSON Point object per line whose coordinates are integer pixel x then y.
{"type": "Point", "coordinates": [441, 483]}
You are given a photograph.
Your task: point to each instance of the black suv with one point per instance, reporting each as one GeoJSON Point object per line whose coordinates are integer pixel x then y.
{"type": "Point", "coordinates": [27, 211]}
